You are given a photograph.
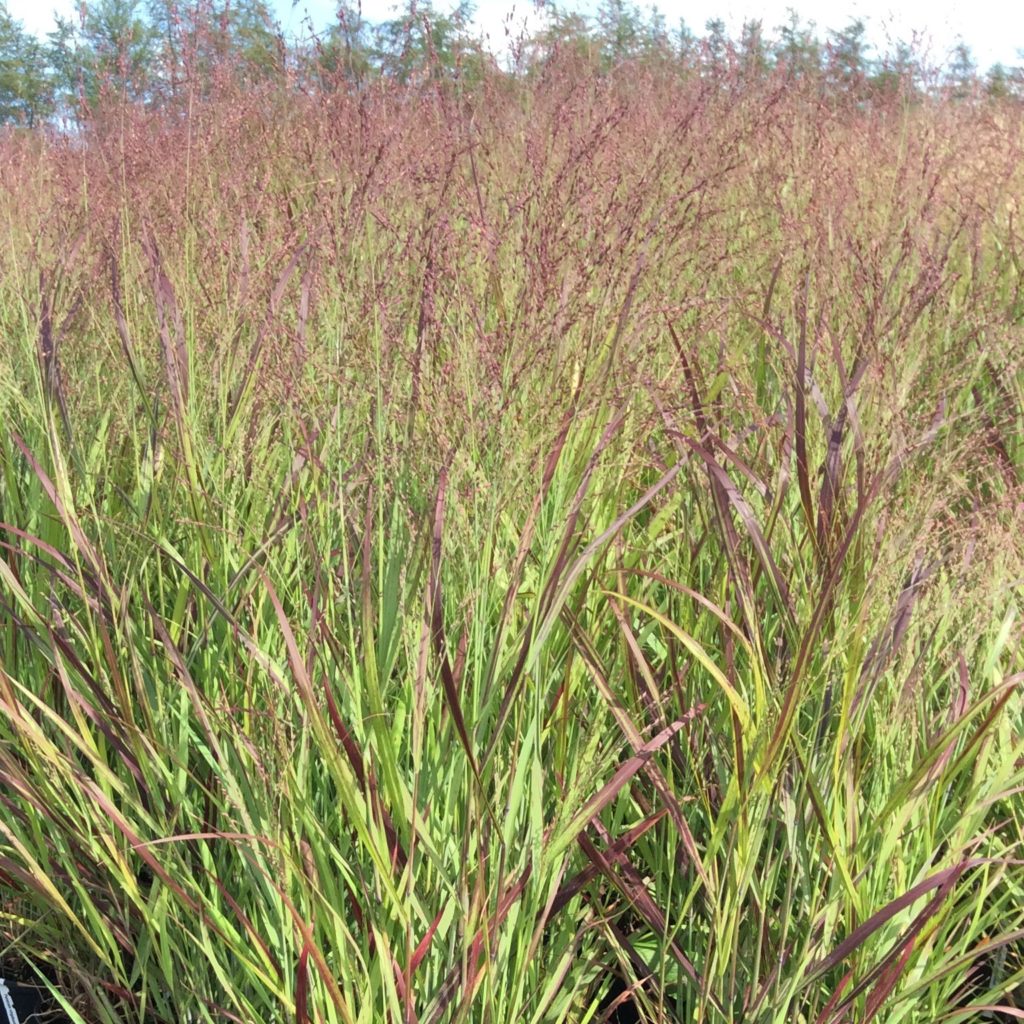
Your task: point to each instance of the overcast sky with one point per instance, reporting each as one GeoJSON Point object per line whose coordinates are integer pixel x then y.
{"type": "Point", "coordinates": [994, 29]}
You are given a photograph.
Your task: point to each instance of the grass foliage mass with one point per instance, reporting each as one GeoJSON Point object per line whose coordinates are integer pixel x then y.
{"type": "Point", "coordinates": [515, 556]}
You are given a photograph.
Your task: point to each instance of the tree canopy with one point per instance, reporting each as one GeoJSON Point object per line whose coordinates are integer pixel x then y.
{"type": "Point", "coordinates": [150, 50]}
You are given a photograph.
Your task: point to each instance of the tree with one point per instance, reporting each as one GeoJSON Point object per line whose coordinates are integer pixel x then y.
{"type": "Point", "coordinates": [898, 70]}
{"type": "Point", "coordinates": [422, 41]}
{"type": "Point", "coordinates": [67, 61]}
{"type": "Point", "coordinates": [716, 45]}
{"type": "Point", "coordinates": [1002, 82]}
{"type": "Point", "coordinates": [620, 31]}
{"type": "Point", "coordinates": [797, 50]}
{"type": "Point", "coordinates": [961, 75]}
{"type": "Point", "coordinates": [565, 31]}
{"type": "Point", "coordinates": [119, 44]}
{"type": "Point", "coordinates": [754, 56]}
{"type": "Point", "coordinates": [251, 35]}
{"type": "Point", "coordinates": [685, 43]}
{"type": "Point", "coordinates": [847, 52]}
{"type": "Point", "coordinates": [111, 51]}
{"type": "Point", "coordinates": [167, 23]}
{"type": "Point", "coordinates": [655, 40]}
{"type": "Point", "coordinates": [26, 91]}
{"type": "Point", "coordinates": [203, 38]}
{"type": "Point", "coordinates": [347, 51]}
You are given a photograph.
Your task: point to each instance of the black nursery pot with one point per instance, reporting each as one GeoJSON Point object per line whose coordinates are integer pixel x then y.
{"type": "Point", "coordinates": [21, 1003]}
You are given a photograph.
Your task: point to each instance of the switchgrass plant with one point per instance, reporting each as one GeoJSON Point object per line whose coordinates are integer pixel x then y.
{"type": "Point", "coordinates": [510, 556]}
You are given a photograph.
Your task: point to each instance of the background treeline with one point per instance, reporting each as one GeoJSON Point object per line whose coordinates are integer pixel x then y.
{"type": "Point", "coordinates": [157, 51]}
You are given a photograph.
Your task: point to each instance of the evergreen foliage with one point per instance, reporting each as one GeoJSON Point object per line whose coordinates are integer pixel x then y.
{"type": "Point", "coordinates": [154, 51]}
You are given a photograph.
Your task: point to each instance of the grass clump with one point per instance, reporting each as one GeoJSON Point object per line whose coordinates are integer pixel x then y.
{"type": "Point", "coordinates": [464, 557]}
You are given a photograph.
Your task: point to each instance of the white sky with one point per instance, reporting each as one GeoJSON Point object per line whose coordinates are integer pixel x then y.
{"type": "Point", "coordinates": [994, 29]}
